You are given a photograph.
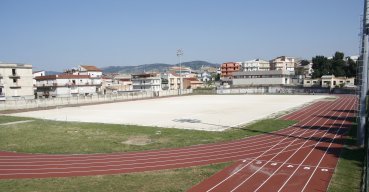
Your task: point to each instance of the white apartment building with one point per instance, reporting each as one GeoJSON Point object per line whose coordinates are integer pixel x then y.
{"type": "Point", "coordinates": [93, 72]}
{"type": "Point", "coordinates": [255, 65]}
{"type": "Point", "coordinates": [283, 63]}
{"type": "Point", "coordinates": [147, 82]}
{"type": "Point", "coordinates": [37, 74]}
{"type": "Point", "coordinates": [260, 78]}
{"type": "Point", "coordinates": [65, 85]}
{"type": "Point", "coordinates": [173, 81]}
{"type": "Point", "coordinates": [16, 81]}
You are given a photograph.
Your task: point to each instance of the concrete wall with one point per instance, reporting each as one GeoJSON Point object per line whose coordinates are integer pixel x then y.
{"type": "Point", "coordinates": [52, 102]}
{"type": "Point", "coordinates": [262, 81]}
{"type": "Point", "coordinates": [284, 90]}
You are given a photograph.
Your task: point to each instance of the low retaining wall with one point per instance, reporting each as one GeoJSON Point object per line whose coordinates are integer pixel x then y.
{"type": "Point", "coordinates": [63, 101]}
{"type": "Point", "coordinates": [276, 90]}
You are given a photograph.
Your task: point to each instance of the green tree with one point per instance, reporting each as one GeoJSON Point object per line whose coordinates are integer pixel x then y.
{"type": "Point", "coordinates": [304, 62]}
{"type": "Point", "coordinates": [336, 66]}
{"type": "Point", "coordinates": [339, 65]}
{"type": "Point", "coordinates": [351, 68]}
{"type": "Point", "coordinates": [321, 66]}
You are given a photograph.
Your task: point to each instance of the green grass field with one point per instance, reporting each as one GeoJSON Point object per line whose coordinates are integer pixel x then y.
{"type": "Point", "coordinates": [54, 137]}
{"type": "Point", "coordinates": [154, 181]}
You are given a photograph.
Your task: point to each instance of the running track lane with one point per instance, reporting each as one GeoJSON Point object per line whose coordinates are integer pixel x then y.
{"type": "Point", "coordinates": [16, 165]}
{"type": "Point", "coordinates": [306, 167]}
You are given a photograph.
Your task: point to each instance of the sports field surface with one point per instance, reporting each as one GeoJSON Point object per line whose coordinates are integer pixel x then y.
{"type": "Point", "coordinates": [301, 157]}
{"type": "Point", "coordinates": [211, 113]}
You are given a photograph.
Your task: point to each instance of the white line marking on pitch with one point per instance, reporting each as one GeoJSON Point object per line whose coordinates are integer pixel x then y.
{"type": "Point", "coordinates": [307, 168]}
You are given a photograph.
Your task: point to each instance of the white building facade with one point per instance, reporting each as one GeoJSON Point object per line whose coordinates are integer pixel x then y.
{"type": "Point", "coordinates": [146, 82]}
{"type": "Point", "coordinates": [255, 65]}
{"type": "Point", "coordinates": [261, 78]}
{"type": "Point", "coordinates": [173, 81]}
{"type": "Point", "coordinates": [283, 63]}
{"type": "Point", "coordinates": [65, 85]}
{"type": "Point", "coordinates": [16, 81]}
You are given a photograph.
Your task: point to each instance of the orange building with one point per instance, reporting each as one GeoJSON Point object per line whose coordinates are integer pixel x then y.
{"type": "Point", "coordinates": [228, 68]}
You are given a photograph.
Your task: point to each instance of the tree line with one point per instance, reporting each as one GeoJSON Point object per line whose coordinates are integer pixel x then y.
{"type": "Point", "coordinates": [338, 66]}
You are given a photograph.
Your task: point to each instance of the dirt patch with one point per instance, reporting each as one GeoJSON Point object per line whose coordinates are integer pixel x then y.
{"type": "Point", "coordinates": [138, 140]}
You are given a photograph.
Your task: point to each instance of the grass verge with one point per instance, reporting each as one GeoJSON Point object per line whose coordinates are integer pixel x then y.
{"type": "Point", "coordinates": [54, 137]}
{"type": "Point", "coordinates": [8, 119]}
{"type": "Point", "coordinates": [347, 175]}
{"type": "Point", "coordinates": [163, 181]}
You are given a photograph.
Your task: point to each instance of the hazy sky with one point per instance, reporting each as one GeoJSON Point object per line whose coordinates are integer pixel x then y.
{"type": "Point", "coordinates": [59, 34]}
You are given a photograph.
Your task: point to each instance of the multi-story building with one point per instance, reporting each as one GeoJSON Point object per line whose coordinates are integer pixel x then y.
{"type": "Point", "coordinates": [192, 83]}
{"type": "Point", "coordinates": [180, 70]}
{"type": "Point", "coordinates": [116, 84]}
{"type": "Point", "coordinates": [66, 85]}
{"type": "Point", "coordinates": [16, 81]}
{"type": "Point", "coordinates": [124, 82]}
{"type": "Point", "coordinates": [93, 72]}
{"type": "Point", "coordinates": [37, 74]}
{"type": "Point", "coordinates": [255, 65]}
{"type": "Point", "coordinates": [227, 69]}
{"type": "Point", "coordinates": [147, 82]}
{"type": "Point", "coordinates": [260, 78]}
{"type": "Point", "coordinates": [283, 63]}
{"type": "Point", "coordinates": [171, 81]}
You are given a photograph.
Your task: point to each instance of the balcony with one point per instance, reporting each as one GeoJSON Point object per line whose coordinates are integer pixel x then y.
{"type": "Point", "coordinates": [14, 76]}
{"type": "Point", "coordinates": [14, 86]}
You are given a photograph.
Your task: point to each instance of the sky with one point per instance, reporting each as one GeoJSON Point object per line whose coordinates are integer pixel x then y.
{"type": "Point", "coordinates": [57, 35]}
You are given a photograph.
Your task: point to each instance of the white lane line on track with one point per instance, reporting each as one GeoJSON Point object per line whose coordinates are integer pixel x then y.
{"type": "Point", "coordinates": [288, 179]}
{"type": "Point", "coordinates": [321, 159]}
{"type": "Point", "coordinates": [306, 168]}
{"type": "Point", "coordinates": [257, 171]}
{"type": "Point", "coordinates": [143, 163]}
{"type": "Point", "coordinates": [325, 109]}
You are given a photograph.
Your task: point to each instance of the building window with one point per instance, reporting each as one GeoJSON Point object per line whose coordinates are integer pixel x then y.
{"type": "Point", "coordinates": [14, 72]}
{"type": "Point", "coordinates": [14, 80]}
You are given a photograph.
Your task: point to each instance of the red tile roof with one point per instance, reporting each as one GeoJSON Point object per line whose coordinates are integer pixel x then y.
{"type": "Point", "coordinates": [90, 68]}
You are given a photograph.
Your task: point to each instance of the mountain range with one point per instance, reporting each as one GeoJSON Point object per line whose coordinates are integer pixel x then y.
{"type": "Point", "coordinates": [156, 67]}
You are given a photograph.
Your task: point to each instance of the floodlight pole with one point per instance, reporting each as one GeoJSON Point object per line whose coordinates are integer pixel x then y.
{"type": "Point", "coordinates": [364, 77]}
{"type": "Point", "coordinates": [179, 54]}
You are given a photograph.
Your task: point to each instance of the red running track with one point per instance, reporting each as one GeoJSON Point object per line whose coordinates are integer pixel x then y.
{"type": "Point", "coordinates": [303, 160]}
{"type": "Point", "coordinates": [300, 157]}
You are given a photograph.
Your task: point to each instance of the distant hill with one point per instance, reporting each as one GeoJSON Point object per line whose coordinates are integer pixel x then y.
{"type": "Point", "coordinates": [156, 67]}
{"type": "Point", "coordinates": [52, 72]}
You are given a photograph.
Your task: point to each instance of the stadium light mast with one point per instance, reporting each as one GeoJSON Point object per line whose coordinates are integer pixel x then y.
{"type": "Point", "coordinates": [179, 55]}
{"type": "Point", "coordinates": [363, 84]}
